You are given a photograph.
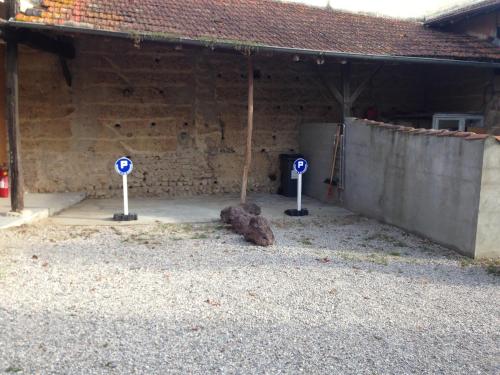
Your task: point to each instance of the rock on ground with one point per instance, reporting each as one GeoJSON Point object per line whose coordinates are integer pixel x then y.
{"type": "Point", "coordinates": [251, 208]}
{"type": "Point", "coordinates": [259, 231]}
{"type": "Point", "coordinates": [254, 228]}
{"type": "Point", "coordinates": [228, 213]}
{"type": "Point", "coordinates": [240, 220]}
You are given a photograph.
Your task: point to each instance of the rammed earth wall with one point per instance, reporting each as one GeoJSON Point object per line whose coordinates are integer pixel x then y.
{"type": "Point", "coordinates": [179, 114]}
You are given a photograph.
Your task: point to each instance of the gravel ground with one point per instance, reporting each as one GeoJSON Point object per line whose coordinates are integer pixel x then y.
{"type": "Point", "coordinates": [342, 295]}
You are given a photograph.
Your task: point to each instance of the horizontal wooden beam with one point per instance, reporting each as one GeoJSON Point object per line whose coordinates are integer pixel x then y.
{"type": "Point", "coordinates": [57, 45]}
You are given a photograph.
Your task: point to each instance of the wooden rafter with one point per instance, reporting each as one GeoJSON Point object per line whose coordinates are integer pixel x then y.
{"type": "Point", "coordinates": [59, 46]}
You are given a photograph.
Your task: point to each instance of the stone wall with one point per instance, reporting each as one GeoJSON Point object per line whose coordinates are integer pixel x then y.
{"type": "Point", "coordinates": [179, 114]}
{"type": "Point", "coordinates": [442, 187]}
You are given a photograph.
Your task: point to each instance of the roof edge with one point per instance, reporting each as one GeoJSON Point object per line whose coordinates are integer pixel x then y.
{"type": "Point", "coordinates": [467, 136]}
{"type": "Point", "coordinates": [243, 46]}
{"type": "Point", "coordinates": [456, 14]}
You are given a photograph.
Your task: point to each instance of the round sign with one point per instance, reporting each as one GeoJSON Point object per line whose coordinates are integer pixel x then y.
{"type": "Point", "coordinates": [300, 166]}
{"type": "Point", "coordinates": [124, 166]}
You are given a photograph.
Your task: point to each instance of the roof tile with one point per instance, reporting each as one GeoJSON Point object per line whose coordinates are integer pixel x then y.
{"type": "Point", "coordinates": [473, 137]}
{"type": "Point", "coordinates": [265, 23]}
{"type": "Point", "coordinates": [470, 136]}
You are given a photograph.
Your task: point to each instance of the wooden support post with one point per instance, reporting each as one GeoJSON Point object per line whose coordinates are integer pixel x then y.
{"type": "Point", "coordinates": [346, 90]}
{"type": "Point", "coordinates": [12, 121]}
{"type": "Point", "coordinates": [345, 98]}
{"type": "Point", "coordinates": [364, 84]}
{"type": "Point", "coordinates": [248, 152]}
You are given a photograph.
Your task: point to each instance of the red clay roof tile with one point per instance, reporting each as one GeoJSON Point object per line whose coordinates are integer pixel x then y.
{"type": "Point", "coordinates": [473, 137]}
{"type": "Point", "coordinates": [433, 132]}
{"type": "Point", "coordinates": [265, 23]}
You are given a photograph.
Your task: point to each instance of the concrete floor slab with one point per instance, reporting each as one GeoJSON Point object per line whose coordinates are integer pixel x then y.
{"type": "Point", "coordinates": [183, 210]}
{"type": "Point", "coordinates": [37, 206]}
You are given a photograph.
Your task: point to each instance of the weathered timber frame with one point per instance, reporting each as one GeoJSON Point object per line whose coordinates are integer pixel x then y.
{"type": "Point", "coordinates": [344, 96]}
{"type": "Point", "coordinates": [248, 150]}
{"type": "Point", "coordinates": [12, 118]}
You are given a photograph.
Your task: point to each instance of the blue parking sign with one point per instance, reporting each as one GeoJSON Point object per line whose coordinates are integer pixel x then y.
{"type": "Point", "coordinates": [300, 166]}
{"type": "Point", "coordinates": [124, 166]}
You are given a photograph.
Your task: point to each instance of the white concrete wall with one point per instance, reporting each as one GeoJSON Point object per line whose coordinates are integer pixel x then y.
{"type": "Point", "coordinates": [424, 183]}
{"type": "Point", "coordinates": [488, 228]}
{"type": "Point", "coordinates": [316, 142]}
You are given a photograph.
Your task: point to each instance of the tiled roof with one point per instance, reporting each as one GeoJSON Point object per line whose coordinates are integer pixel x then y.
{"type": "Point", "coordinates": [263, 23]}
{"type": "Point", "coordinates": [458, 13]}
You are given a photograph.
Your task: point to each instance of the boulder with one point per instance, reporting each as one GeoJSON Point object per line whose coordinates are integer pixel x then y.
{"type": "Point", "coordinates": [237, 217]}
{"type": "Point", "coordinates": [259, 231]}
{"type": "Point", "coordinates": [228, 213]}
{"type": "Point", "coordinates": [251, 208]}
{"type": "Point", "coordinates": [240, 220]}
{"type": "Point", "coordinates": [244, 220]}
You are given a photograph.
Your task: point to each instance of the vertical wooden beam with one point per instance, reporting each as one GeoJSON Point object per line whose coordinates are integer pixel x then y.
{"type": "Point", "coordinates": [12, 121]}
{"type": "Point", "coordinates": [10, 8]}
{"type": "Point", "coordinates": [3, 128]}
{"type": "Point", "coordinates": [364, 84]}
{"type": "Point", "coordinates": [346, 90]}
{"type": "Point", "coordinates": [248, 152]}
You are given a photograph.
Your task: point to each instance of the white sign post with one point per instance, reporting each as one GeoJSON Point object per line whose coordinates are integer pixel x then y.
{"type": "Point", "coordinates": [125, 195]}
{"type": "Point", "coordinates": [300, 167]}
{"type": "Point", "coordinates": [299, 193]}
{"type": "Point", "coordinates": [124, 167]}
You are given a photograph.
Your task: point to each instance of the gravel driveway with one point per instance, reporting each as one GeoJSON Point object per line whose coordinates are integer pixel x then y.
{"type": "Point", "coordinates": [334, 296]}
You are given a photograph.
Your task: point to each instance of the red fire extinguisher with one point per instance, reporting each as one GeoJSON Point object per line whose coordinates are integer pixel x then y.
{"type": "Point", "coordinates": [4, 183]}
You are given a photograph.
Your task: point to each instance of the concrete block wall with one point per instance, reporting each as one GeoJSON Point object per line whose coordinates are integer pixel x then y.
{"type": "Point", "coordinates": [442, 187]}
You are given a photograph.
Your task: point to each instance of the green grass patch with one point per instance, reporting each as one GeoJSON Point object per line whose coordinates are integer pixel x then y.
{"type": "Point", "coordinates": [378, 259]}
{"type": "Point", "coordinates": [199, 236]}
{"type": "Point", "coordinates": [383, 237]}
{"type": "Point", "coordinates": [491, 266]}
{"type": "Point", "coordinates": [306, 241]}
{"type": "Point", "coordinates": [13, 369]}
